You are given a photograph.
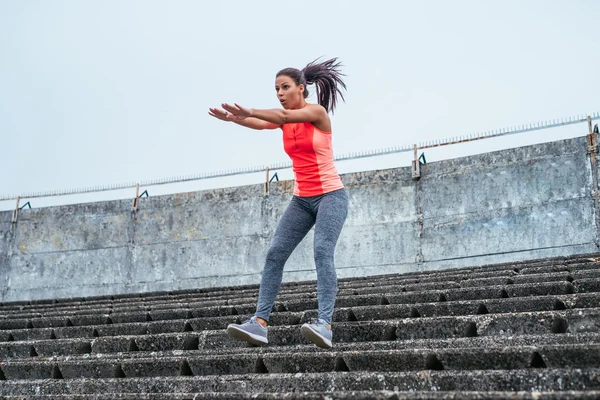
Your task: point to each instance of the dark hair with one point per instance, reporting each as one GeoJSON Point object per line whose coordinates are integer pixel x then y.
{"type": "Point", "coordinates": [325, 75]}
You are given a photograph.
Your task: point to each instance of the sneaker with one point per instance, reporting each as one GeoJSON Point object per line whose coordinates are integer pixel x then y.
{"type": "Point", "coordinates": [318, 332]}
{"type": "Point", "coordinates": [250, 331]}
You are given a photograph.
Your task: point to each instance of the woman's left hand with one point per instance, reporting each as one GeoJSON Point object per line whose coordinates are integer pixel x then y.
{"type": "Point", "coordinates": [238, 110]}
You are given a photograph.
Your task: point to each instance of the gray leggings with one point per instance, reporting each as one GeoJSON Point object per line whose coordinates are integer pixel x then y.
{"type": "Point", "coordinates": [328, 213]}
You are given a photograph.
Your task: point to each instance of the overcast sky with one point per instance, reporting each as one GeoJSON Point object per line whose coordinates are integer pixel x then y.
{"type": "Point", "coordinates": [103, 92]}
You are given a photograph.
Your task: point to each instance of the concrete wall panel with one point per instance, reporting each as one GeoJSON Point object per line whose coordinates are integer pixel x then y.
{"type": "Point", "coordinates": [73, 270]}
{"type": "Point", "coordinates": [551, 225]}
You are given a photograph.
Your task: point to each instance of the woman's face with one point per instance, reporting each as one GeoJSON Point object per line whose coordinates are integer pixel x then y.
{"type": "Point", "coordinates": [289, 94]}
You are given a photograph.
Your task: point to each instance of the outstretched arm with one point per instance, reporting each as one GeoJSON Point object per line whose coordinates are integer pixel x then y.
{"type": "Point", "coordinates": [248, 122]}
{"type": "Point", "coordinates": [256, 123]}
{"type": "Point", "coordinates": [311, 113]}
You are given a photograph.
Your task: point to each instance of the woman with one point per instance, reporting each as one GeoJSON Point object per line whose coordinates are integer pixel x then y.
{"type": "Point", "coordinates": [319, 196]}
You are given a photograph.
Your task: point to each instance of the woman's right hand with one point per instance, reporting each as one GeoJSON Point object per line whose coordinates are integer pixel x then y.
{"type": "Point", "coordinates": [224, 115]}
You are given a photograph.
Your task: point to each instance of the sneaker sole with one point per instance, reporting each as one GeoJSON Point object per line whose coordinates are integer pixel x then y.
{"type": "Point", "coordinates": [242, 335]}
{"type": "Point", "coordinates": [314, 337]}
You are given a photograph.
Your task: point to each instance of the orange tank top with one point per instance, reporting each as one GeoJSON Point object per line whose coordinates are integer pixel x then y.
{"type": "Point", "coordinates": [311, 152]}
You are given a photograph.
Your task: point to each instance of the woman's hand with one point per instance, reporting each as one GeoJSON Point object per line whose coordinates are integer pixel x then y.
{"type": "Point", "coordinates": [238, 110]}
{"type": "Point", "coordinates": [222, 115]}
{"type": "Point", "coordinates": [242, 119]}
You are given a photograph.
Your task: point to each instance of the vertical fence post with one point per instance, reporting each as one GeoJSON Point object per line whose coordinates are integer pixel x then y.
{"type": "Point", "coordinates": [137, 198]}
{"type": "Point", "coordinates": [591, 138]}
{"type": "Point", "coordinates": [267, 182]}
{"type": "Point", "coordinates": [16, 211]}
{"type": "Point", "coordinates": [416, 166]}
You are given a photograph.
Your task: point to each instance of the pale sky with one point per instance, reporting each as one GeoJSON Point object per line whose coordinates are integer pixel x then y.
{"type": "Point", "coordinates": [103, 92]}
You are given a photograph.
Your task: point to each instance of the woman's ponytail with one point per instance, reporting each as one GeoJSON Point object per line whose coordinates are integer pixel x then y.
{"type": "Point", "coordinates": [327, 78]}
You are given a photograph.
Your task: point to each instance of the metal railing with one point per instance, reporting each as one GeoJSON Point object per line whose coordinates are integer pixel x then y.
{"type": "Point", "coordinates": [348, 156]}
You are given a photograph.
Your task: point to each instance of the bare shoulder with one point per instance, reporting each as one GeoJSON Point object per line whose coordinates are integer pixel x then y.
{"type": "Point", "coordinates": [322, 122]}
{"type": "Point", "coordinates": [317, 108]}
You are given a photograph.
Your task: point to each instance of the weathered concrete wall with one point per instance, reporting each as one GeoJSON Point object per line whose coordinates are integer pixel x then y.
{"type": "Point", "coordinates": [503, 206]}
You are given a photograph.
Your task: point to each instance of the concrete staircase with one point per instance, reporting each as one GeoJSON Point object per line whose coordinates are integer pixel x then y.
{"type": "Point", "coordinates": [524, 330]}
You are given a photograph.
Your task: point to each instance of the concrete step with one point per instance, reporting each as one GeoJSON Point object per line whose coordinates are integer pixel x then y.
{"type": "Point", "coordinates": [45, 348]}
{"type": "Point", "coordinates": [456, 308]}
{"type": "Point", "coordinates": [432, 296]}
{"type": "Point", "coordinates": [570, 267]}
{"type": "Point", "coordinates": [531, 278]}
{"type": "Point", "coordinates": [540, 274]}
{"type": "Point", "coordinates": [587, 285]}
{"type": "Point", "coordinates": [532, 380]}
{"type": "Point", "coordinates": [357, 394]}
{"type": "Point", "coordinates": [116, 326]}
{"type": "Point", "coordinates": [58, 314]}
{"type": "Point", "coordinates": [197, 344]}
{"type": "Point", "coordinates": [206, 343]}
{"type": "Point", "coordinates": [540, 357]}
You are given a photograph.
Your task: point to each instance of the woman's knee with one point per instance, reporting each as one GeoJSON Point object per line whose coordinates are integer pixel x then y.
{"type": "Point", "coordinates": [324, 252]}
{"type": "Point", "coordinates": [277, 254]}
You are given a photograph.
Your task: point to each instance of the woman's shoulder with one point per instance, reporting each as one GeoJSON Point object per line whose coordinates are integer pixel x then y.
{"type": "Point", "coordinates": [317, 107]}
